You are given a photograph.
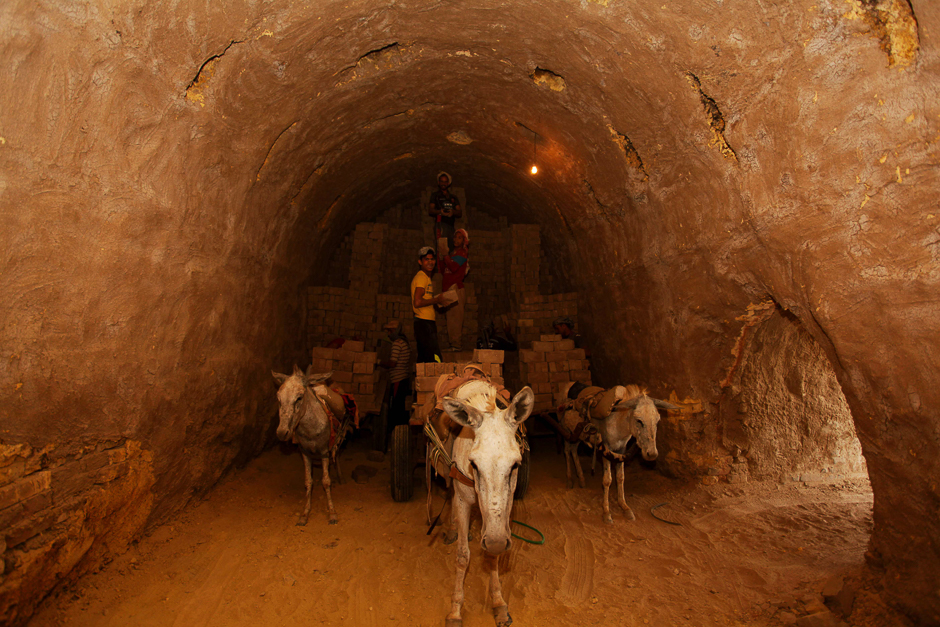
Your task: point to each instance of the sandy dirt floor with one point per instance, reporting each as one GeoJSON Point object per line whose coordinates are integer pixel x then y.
{"type": "Point", "coordinates": [744, 555]}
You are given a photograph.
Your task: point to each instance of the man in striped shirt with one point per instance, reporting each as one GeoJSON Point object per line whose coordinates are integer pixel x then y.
{"type": "Point", "coordinates": [399, 375]}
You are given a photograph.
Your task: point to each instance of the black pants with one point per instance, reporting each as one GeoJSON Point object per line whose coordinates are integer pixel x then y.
{"type": "Point", "coordinates": [426, 339]}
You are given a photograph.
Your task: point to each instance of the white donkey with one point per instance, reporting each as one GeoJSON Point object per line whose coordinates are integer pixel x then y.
{"type": "Point", "coordinates": [305, 420]}
{"type": "Point", "coordinates": [486, 459]}
{"type": "Point", "coordinates": [606, 420]}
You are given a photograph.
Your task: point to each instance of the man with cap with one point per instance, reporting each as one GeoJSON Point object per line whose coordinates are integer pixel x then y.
{"type": "Point", "coordinates": [399, 379]}
{"type": "Point", "coordinates": [564, 327]}
{"type": "Point", "coordinates": [423, 301]}
{"type": "Point", "coordinates": [445, 209]}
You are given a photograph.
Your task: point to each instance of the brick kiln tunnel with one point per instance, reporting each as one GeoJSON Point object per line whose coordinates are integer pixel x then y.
{"type": "Point", "coordinates": [742, 195]}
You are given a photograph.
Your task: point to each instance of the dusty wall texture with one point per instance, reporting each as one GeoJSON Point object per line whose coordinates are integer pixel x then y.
{"type": "Point", "coordinates": [171, 174]}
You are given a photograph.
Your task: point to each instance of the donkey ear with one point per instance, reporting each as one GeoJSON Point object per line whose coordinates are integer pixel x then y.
{"type": "Point", "coordinates": [626, 405]}
{"type": "Point", "coordinates": [521, 406]}
{"type": "Point", "coordinates": [664, 405]}
{"type": "Point", "coordinates": [462, 413]}
{"type": "Point", "coordinates": [298, 371]}
{"type": "Point", "coordinates": [280, 378]}
{"type": "Point", "coordinates": [313, 379]}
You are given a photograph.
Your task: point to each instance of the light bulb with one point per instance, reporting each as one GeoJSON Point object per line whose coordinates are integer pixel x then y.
{"type": "Point", "coordinates": [534, 169]}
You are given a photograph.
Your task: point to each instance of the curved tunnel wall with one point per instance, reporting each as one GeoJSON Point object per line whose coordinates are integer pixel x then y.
{"type": "Point", "coordinates": [172, 174]}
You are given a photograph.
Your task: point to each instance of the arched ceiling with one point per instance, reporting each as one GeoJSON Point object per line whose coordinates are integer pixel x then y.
{"type": "Point", "coordinates": [174, 172]}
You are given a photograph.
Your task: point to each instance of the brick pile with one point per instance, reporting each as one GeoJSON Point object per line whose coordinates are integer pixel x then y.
{"type": "Point", "coordinates": [538, 311]}
{"type": "Point", "coordinates": [524, 260]}
{"type": "Point", "coordinates": [400, 260]}
{"type": "Point", "coordinates": [491, 362]}
{"type": "Point", "coordinates": [549, 364]}
{"type": "Point", "coordinates": [366, 261]}
{"type": "Point", "coordinates": [353, 370]}
{"type": "Point", "coordinates": [489, 276]}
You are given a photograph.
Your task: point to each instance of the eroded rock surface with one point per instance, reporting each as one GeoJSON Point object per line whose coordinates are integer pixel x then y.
{"type": "Point", "coordinates": [171, 176]}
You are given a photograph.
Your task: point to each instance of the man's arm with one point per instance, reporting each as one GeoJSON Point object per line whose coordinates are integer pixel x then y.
{"type": "Point", "coordinates": [420, 301]}
{"type": "Point", "coordinates": [433, 210]}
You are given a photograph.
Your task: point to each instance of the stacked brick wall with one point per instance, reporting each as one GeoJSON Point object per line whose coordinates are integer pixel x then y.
{"type": "Point", "coordinates": [353, 371]}
{"type": "Point", "coordinates": [338, 273]}
{"type": "Point", "coordinates": [524, 260]}
{"type": "Point", "coordinates": [551, 363]}
{"type": "Point", "coordinates": [428, 374]}
{"type": "Point", "coordinates": [506, 276]}
{"type": "Point", "coordinates": [365, 268]}
{"type": "Point", "coordinates": [400, 260]}
{"type": "Point", "coordinates": [489, 274]}
{"type": "Point", "coordinates": [537, 312]}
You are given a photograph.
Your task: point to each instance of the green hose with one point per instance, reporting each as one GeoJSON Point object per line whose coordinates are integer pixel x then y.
{"type": "Point", "coordinates": [541, 535]}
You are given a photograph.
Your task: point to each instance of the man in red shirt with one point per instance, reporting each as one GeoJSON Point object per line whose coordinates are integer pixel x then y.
{"type": "Point", "coordinates": [454, 268]}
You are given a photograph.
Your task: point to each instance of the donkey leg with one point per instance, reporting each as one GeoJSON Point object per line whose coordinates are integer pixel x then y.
{"type": "Point", "coordinates": [308, 482]}
{"type": "Point", "coordinates": [462, 517]}
{"type": "Point", "coordinates": [577, 462]}
{"type": "Point", "coordinates": [607, 517]}
{"type": "Point", "coordinates": [326, 488]}
{"type": "Point", "coordinates": [623, 502]}
{"type": "Point", "coordinates": [339, 471]}
{"type": "Point", "coordinates": [500, 607]}
{"type": "Point", "coordinates": [450, 536]}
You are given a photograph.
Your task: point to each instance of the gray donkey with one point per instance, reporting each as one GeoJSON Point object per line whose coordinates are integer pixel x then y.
{"type": "Point", "coordinates": [606, 420]}
{"type": "Point", "coordinates": [305, 420]}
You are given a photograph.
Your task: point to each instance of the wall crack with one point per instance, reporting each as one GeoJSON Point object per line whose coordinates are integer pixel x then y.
{"type": "Point", "coordinates": [271, 149]}
{"type": "Point", "coordinates": [716, 120]}
{"type": "Point", "coordinates": [204, 73]}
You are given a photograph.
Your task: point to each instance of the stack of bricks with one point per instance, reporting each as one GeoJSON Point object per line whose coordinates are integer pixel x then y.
{"type": "Point", "coordinates": [551, 363]}
{"type": "Point", "coordinates": [400, 260]}
{"type": "Point", "coordinates": [338, 273]}
{"type": "Point", "coordinates": [366, 261]}
{"type": "Point", "coordinates": [428, 374]}
{"type": "Point", "coordinates": [325, 308]}
{"type": "Point", "coordinates": [488, 273]}
{"type": "Point", "coordinates": [353, 370]}
{"type": "Point", "coordinates": [524, 260]}
{"type": "Point", "coordinates": [537, 312]}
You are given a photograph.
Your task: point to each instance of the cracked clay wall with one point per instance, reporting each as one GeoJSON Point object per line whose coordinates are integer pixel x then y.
{"type": "Point", "coordinates": [171, 174]}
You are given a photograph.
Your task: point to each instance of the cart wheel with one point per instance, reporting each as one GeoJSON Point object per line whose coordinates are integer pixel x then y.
{"type": "Point", "coordinates": [379, 427]}
{"type": "Point", "coordinates": [403, 485]}
{"type": "Point", "coordinates": [522, 479]}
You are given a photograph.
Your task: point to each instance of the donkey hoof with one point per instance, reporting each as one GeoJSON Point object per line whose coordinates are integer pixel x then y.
{"type": "Point", "coordinates": [628, 514]}
{"type": "Point", "coordinates": [501, 613]}
{"type": "Point", "coordinates": [453, 622]}
{"type": "Point", "coordinates": [333, 520]}
{"type": "Point", "coordinates": [302, 522]}
{"type": "Point", "coordinates": [608, 519]}
{"type": "Point", "coordinates": [449, 538]}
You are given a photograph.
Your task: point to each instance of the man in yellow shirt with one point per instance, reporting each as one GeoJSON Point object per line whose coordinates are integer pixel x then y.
{"type": "Point", "coordinates": [423, 301]}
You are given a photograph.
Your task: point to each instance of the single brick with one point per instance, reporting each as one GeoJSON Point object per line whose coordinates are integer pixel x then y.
{"type": "Point", "coordinates": [488, 356]}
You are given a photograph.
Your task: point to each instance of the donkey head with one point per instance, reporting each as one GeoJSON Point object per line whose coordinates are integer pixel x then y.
{"type": "Point", "coordinates": [290, 396]}
{"type": "Point", "coordinates": [494, 459]}
{"type": "Point", "coordinates": [645, 420]}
